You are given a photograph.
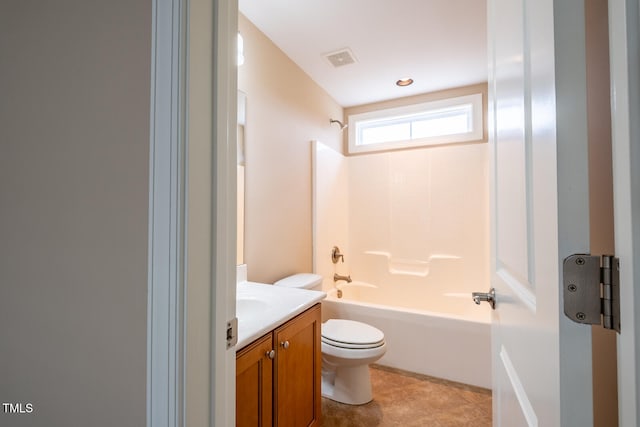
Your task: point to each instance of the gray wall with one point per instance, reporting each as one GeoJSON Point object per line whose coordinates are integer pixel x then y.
{"type": "Point", "coordinates": [74, 142]}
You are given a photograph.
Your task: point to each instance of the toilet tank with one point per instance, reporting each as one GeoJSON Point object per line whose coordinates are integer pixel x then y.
{"type": "Point", "coordinates": [302, 281]}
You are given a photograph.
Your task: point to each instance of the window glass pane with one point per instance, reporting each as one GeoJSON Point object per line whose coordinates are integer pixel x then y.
{"type": "Point", "coordinates": [442, 121]}
{"type": "Point", "coordinates": [385, 133]}
{"type": "Point", "coordinates": [447, 125]}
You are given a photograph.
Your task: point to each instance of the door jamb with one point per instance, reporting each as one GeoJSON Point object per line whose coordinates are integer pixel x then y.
{"type": "Point", "coordinates": [624, 41]}
{"type": "Point", "coordinates": [166, 310]}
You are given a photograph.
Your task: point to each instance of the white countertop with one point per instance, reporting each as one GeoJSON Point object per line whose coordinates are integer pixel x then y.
{"type": "Point", "coordinates": [260, 308]}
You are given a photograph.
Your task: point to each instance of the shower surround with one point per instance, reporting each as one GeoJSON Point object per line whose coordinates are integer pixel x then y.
{"type": "Point", "coordinates": [414, 228]}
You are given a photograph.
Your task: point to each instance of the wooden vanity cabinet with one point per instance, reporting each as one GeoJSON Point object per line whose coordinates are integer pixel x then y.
{"type": "Point", "coordinates": [254, 383]}
{"type": "Point", "coordinates": [298, 371]}
{"type": "Point", "coordinates": [294, 379]}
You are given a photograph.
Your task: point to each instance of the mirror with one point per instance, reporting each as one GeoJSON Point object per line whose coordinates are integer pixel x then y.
{"type": "Point", "coordinates": [242, 103]}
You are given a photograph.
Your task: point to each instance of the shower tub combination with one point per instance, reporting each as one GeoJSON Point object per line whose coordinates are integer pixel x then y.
{"type": "Point", "coordinates": [444, 335]}
{"type": "Point", "coordinates": [414, 228]}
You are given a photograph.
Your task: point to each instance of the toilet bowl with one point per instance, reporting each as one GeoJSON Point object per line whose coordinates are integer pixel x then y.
{"type": "Point", "coordinates": [348, 347]}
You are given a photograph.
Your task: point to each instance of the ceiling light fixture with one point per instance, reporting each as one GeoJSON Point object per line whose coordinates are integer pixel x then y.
{"type": "Point", "coordinates": [404, 82]}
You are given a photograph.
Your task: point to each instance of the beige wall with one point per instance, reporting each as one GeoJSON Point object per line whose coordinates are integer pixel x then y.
{"type": "Point", "coordinates": [285, 111]}
{"type": "Point", "coordinates": [600, 199]}
{"type": "Point", "coordinates": [74, 155]}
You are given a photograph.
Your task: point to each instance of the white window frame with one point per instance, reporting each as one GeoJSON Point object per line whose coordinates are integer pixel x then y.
{"type": "Point", "coordinates": [359, 121]}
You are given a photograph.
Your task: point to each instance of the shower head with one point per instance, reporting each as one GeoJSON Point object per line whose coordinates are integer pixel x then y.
{"type": "Point", "coordinates": [343, 126]}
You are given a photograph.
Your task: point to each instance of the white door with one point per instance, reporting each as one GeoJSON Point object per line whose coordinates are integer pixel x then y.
{"type": "Point", "coordinates": [624, 43]}
{"type": "Point", "coordinates": [539, 210]}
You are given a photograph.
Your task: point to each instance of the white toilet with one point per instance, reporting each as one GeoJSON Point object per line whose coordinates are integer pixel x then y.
{"type": "Point", "coordinates": [348, 347]}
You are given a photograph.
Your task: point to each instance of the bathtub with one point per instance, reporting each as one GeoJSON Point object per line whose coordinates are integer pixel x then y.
{"type": "Point", "coordinates": [445, 336]}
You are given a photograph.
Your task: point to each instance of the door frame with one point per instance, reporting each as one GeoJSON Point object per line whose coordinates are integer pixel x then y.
{"type": "Point", "coordinates": [624, 44]}
{"type": "Point", "coordinates": [190, 370]}
{"type": "Point", "coordinates": [224, 209]}
{"type": "Point", "coordinates": [167, 225]}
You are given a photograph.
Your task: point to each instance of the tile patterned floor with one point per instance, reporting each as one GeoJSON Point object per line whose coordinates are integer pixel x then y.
{"type": "Point", "coordinates": [405, 399]}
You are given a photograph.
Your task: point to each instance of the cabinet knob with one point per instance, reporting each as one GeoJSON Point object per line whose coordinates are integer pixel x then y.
{"type": "Point", "coordinates": [285, 344]}
{"type": "Point", "coordinates": [271, 354]}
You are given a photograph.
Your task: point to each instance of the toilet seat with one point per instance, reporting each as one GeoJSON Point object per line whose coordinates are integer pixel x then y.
{"type": "Point", "coordinates": [351, 334]}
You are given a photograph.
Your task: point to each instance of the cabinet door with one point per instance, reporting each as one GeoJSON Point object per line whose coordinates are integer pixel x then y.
{"type": "Point", "coordinates": [254, 384]}
{"type": "Point", "coordinates": [298, 370]}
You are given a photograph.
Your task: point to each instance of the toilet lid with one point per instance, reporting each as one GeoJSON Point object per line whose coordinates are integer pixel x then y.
{"type": "Point", "coordinates": [351, 334]}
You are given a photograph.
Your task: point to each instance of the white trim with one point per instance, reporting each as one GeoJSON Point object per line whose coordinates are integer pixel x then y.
{"type": "Point", "coordinates": [624, 42]}
{"type": "Point", "coordinates": [576, 379]}
{"type": "Point", "coordinates": [357, 121]}
{"type": "Point", "coordinates": [225, 103]}
{"type": "Point", "coordinates": [165, 307]}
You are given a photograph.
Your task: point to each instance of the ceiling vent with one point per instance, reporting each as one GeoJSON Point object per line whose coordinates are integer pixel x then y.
{"type": "Point", "coordinates": [341, 57]}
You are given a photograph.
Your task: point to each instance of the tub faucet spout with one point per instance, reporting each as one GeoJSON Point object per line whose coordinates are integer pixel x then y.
{"type": "Point", "coordinates": [337, 277]}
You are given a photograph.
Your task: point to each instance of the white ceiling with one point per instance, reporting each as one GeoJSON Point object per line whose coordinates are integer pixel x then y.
{"type": "Point", "coordinates": [439, 43]}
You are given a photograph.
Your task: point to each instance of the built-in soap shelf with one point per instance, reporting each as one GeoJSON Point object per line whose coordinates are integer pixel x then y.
{"type": "Point", "coordinates": [410, 267]}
